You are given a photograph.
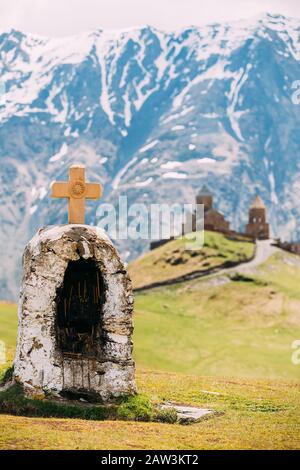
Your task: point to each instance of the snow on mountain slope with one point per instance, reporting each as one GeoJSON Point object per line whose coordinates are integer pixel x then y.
{"type": "Point", "coordinates": [153, 115]}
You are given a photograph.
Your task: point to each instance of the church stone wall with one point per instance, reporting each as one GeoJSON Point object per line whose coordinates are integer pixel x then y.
{"type": "Point", "coordinates": [257, 227]}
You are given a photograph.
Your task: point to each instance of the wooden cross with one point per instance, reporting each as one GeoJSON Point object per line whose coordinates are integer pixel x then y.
{"type": "Point", "coordinates": [77, 191]}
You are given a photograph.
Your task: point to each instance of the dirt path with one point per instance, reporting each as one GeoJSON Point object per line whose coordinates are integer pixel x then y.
{"type": "Point", "coordinates": [264, 249]}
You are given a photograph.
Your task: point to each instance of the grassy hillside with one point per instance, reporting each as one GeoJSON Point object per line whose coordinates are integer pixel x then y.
{"type": "Point", "coordinates": [211, 326]}
{"type": "Point", "coordinates": [8, 329]}
{"type": "Point", "coordinates": [254, 414]}
{"type": "Point", "coordinates": [173, 260]}
{"type": "Point", "coordinates": [192, 343]}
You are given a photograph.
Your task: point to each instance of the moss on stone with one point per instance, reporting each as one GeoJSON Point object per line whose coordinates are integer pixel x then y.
{"type": "Point", "coordinates": [136, 408]}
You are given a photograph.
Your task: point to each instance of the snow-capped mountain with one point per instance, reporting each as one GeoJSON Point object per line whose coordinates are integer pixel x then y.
{"type": "Point", "coordinates": [153, 115]}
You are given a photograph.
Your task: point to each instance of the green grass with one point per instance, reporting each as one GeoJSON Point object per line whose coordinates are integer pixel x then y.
{"type": "Point", "coordinates": [225, 346]}
{"type": "Point", "coordinates": [8, 331]}
{"type": "Point", "coordinates": [282, 271]}
{"type": "Point", "coordinates": [135, 408]}
{"type": "Point", "coordinates": [252, 414]}
{"type": "Point", "coordinates": [241, 328]}
{"type": "Point", "coordinates": [173, 260]}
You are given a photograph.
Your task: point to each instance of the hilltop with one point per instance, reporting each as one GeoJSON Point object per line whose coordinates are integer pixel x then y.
{"type": "Point", "coordinates": [172, 260]}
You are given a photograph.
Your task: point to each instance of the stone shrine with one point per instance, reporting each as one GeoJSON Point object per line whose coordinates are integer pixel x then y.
{"type": "Point", "coordinates": [75, 309]}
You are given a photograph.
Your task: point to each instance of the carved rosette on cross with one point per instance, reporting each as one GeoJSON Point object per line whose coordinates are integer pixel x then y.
{"type": "Point", "coordinates": [75, 309]}
{"type": "Point", "coordinates": [77, 191]}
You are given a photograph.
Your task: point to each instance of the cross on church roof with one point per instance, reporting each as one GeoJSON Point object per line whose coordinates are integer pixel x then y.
{"type": "Point", "coordinates": [77, 191]}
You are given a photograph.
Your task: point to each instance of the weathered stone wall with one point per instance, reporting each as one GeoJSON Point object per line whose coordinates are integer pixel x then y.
{"type": "Point", "coordinates": [39, 364]}
{"type": "Point", "coordinates": [259, 231]}
{"type": "Point", "coordinates": [213, 220]}
{"type": "Point", "coordinates": [257, 226]}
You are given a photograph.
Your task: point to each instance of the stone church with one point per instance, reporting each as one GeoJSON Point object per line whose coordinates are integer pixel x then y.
{"type": "Point", "coordinates": [257, 227]}
{"type": "Point", "coordinates": [213, 220]}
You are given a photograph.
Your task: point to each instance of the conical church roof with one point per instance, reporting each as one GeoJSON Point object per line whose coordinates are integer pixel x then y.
{"type": "Point", "coordinates": [204, 191]}
{"type": "Point", "coordinates": [257, 203]}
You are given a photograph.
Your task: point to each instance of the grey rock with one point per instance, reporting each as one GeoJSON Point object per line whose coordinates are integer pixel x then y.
{"type": "Point", "coordinates": [189, 414]}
